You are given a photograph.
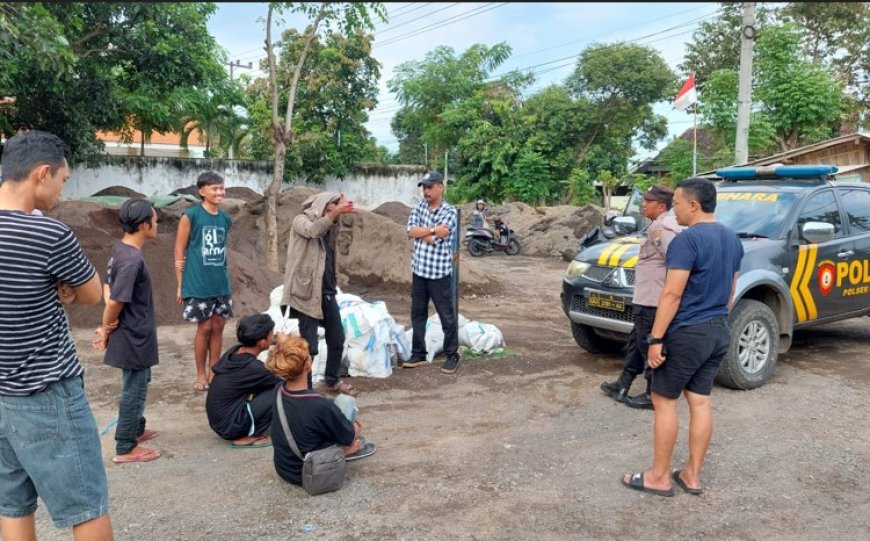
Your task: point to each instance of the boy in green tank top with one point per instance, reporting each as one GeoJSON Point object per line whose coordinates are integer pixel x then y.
{"type": "Point", "coordinates": [202, 274]}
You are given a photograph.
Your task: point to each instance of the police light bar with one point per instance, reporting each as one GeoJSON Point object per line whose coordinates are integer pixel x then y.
{"type": "Point", "coordinates": [777, 171]}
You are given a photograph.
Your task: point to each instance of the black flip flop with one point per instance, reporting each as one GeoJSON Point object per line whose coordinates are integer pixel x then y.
{"type": "Point", "coordinates": [636, 483]}
{"type": "Point", "coordinates": [686, 488]}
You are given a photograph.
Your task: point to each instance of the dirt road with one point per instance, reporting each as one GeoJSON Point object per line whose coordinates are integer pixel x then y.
{"type": "Point", "coordinates": [523, 447]}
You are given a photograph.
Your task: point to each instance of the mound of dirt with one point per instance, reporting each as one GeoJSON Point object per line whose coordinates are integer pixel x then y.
{"type": "Point", "coordinates": [121, 191]}
{"type": "Point", "coordinates": [244, 193]}
{"type": "Point", "coordinates": [543, 231]}
{"type": "Point", "coordinates": [373, 251]}
{"type": "Point", "coordinates": [97, 229]}
{"type": "Point", "coordinates": [398, 212]}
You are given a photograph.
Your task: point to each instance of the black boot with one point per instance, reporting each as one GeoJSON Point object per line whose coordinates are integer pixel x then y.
{"type": "Point", "coordinates": [618, 390]}
{"type": "Point", "coordinates": [641, 401]}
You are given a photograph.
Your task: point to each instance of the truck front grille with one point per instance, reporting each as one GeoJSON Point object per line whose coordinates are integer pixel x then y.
{"type": "Point", "coordinates": [597, 273]}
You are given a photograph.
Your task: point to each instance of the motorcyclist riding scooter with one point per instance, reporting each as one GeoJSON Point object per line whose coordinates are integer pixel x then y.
{"type": "Point", "coordinates": [479, 239]}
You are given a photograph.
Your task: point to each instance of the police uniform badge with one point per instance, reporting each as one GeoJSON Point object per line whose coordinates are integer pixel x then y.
{"type": "Point", "coordinates": [657, 237]}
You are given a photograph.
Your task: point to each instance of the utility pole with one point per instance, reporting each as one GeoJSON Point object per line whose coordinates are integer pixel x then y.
{"type": "Point", "coordinates": [445, 169]}
{"type": "Point", "coordinates": [426, 155]}
{"type": "Point", "coordinates": [238, 65]}
{"type": "Point", "coordinates": [744, 84]}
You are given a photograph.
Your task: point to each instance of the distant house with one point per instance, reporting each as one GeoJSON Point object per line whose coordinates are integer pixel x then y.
{"type": "Point", "coordinates": [161, 145]}
{"type": "Point", "coordinates": [850, 153]}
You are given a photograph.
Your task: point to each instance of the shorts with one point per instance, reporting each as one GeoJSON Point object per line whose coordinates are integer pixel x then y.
{"type": "Point", "coordinates": [50, 447]}
{"type": "Point", "coordinates": [196, 310]}
{"type": "Point", "coordinates": [692, 357]}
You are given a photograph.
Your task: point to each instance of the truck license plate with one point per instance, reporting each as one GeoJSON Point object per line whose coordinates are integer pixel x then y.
{"type": "Point", "coordinates": [606, 301]}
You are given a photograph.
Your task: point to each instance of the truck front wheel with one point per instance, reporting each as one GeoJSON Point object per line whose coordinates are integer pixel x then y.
{"type": "Point", "coordinates": [754, 346]}
{"type": "Point", "coordinates": [589, 340]}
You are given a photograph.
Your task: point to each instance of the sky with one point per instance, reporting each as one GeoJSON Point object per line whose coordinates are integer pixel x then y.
{"type": "Point", "coordinates": [546, 38]}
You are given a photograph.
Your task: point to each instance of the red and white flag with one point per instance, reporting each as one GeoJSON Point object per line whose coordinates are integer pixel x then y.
{"type": "Point", "coordinates": [687, 95]}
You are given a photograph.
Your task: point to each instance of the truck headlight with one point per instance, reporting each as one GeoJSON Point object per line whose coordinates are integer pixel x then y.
{"type": "Point", "coordinates": [576, 268]}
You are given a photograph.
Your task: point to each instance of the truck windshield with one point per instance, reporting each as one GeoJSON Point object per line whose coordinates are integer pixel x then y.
{"type": "Point", "coordinates": [754, 214]}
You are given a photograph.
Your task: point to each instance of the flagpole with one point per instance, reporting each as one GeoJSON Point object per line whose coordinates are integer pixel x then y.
{"type": "Point", "coordinates": [695, 142]}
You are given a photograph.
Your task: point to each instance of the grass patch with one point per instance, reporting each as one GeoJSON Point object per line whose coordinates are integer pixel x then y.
{"type": "Point", "coordinates": [497, 354]}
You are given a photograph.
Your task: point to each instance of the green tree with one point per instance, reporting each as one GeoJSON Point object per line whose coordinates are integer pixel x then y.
{"type": "Point", "coordinates": [31, 28]}
{"type": "Point", "coordinates": [616, 85]}
{"type": "Point", "coordinates": [426, 89]}
{"type": "Point", "coordinates": [802, 102]}
{"type": "Point", "coordinates": [490, 141]}
{"type": "Point", "coordinates": [677, 157]}
{"type": "Point", "coordinates": [529, 178]}
{"type": "Point", "coordinates": [550, 122]}
{"type": "Point", "coordinates": [129, 61]}
{"type": "Point", "coordinates": [795, 102]}
{"type": "Point", "coordinates": [347, 18]}
{"type": "Point", "coordinates": [214, 113]}
{"type": "Point", "coordinates": [334, 95]}
{"type": "Point", "coordinates": [580, 186]}
{"type": "Point", "coordinates": [609, 182]}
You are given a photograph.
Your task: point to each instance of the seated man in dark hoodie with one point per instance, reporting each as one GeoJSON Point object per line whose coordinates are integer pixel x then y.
{"type": "Point", "coordinates": [242, 392]}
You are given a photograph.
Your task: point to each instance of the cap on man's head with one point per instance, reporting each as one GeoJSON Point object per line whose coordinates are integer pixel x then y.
{"type": "Point", "coordinates": [660, 193]}
{"type": "Point", "coordinates": [430, 178]}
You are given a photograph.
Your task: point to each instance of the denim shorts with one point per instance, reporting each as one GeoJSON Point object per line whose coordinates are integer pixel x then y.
{"type": "Point", "coordinates": [50, 447]}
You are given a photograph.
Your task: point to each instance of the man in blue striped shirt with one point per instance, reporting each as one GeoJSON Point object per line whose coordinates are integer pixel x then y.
{"type": "Point", "coordinates": [49, 443]}
{"type": "Point", "coordinates": [432, 224]}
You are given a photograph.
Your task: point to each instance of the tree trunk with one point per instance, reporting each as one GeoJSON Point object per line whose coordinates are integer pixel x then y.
{"type": "Point", "coordinates": [142, 144]}
{"type": "Point", "coordinates": [272, 207]}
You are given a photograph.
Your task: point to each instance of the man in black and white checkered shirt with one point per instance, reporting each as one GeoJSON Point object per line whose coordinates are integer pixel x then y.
{"type": "Point", "coordinates": [432, 224]}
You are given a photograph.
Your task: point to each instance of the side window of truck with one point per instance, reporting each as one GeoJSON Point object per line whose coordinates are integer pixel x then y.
{"type": "Point", "coordinates": [822, 207]}
{"type": "Point", "coordinates": [856, 203]}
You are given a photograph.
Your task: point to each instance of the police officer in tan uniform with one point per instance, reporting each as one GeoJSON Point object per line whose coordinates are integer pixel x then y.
{"type": "Point", "coordinates": [649, 281]}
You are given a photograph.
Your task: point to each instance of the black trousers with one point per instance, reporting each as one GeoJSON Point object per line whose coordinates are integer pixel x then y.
{"type": "Point", "coordinates": [440, 290]}
{"type": "Point", "coordinates": [334, 331]}
{"type": "Point", "coordinates": [635, 358]}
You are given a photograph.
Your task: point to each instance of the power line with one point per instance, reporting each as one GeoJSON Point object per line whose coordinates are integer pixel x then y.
{"type": "Point", "coordinates": [390, 28]}
{"type": "Point", "coordinates": [679, 26]}
{"type": "Point", "coordinates": [397, 10]}
{"type": "Point", "coordinates": [456, 18]}
{"type": "Point", "coordinates": [604, 35]}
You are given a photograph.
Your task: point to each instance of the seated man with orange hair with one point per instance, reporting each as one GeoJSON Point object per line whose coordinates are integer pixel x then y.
{"type": "Point", "coordinates": [315, 421]}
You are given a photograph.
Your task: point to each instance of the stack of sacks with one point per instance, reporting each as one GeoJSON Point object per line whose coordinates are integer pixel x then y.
{"type": "Point", "coordinates": [373, 339]}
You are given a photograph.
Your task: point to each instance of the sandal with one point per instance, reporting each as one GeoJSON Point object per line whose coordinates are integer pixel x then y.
{"type": "Point", "coordinates": [200, 385]}
{"type": "Point", "coordinates": [339, 388]}
{"type": "Point", "coordinates": [138, 454]}
{"type": "Point", "coordinates": [255, 443]}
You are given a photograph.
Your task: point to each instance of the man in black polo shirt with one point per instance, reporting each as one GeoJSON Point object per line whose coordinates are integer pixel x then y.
{"type": "Point", "coordinates": [690, 335]}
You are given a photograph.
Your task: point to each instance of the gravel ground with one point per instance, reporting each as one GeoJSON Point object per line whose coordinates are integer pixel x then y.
{"type": "Point", "coordinates": [520, 447]}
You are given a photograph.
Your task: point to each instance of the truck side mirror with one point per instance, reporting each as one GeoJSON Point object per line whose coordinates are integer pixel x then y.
{"type": "Point", "coordinates": [624, 225]}
{"type": "Point", "coordinates": [817, 232]}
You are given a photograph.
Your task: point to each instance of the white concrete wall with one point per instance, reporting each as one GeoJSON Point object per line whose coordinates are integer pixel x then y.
{"type": "Point", "coordinates": [367, 186]}
{"type": "Point", "coordinates": [160, 176]}
{"type": "Point", "coordinates": [370, 189]}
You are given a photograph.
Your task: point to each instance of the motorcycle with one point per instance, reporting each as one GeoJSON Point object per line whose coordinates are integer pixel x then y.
{"type": "Point", "coordinates": [481, 241]}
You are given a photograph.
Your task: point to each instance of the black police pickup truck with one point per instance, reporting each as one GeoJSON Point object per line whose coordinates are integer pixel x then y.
{"type": "Point", "coordinates": [807, 261]}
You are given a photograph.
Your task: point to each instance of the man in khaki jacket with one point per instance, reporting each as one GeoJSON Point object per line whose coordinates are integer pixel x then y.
{"type": "Point", "coordinates": [310, 281]}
